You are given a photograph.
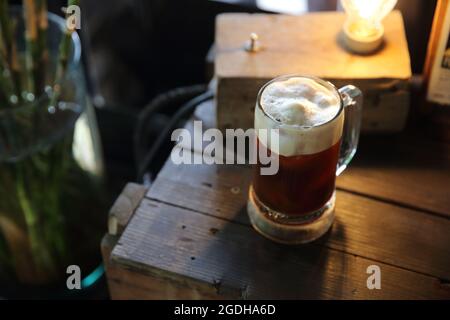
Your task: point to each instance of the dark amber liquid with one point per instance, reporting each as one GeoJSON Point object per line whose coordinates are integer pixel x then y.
{"type": "Point", "coordinates": [303, 184]}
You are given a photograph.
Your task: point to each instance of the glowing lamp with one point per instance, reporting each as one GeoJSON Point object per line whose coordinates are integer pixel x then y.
{"type": "Point", "coordinates": [363, 30]}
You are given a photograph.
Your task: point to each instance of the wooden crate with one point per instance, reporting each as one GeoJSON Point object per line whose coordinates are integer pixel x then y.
{"type": "Point", "coordinates": [309, 44]}
{"type": "Point", "coordinates": [189, 236]}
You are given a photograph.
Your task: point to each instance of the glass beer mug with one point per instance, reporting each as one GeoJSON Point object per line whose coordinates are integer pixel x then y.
{"type": "Point", "coordinates": [317, 131]}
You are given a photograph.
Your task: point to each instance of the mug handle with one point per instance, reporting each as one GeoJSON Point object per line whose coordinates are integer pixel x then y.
{"type": "Point", "coordinates": [352, 99]}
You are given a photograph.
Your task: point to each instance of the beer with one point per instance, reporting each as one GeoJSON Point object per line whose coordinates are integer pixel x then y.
{"type": "Point", "coordinates": [304, 183]}
{"type": "Point", "coordinates": [307, 115]}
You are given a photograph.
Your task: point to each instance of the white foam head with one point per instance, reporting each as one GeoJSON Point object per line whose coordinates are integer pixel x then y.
{"type": "Point", "coordinates": [306, 113]}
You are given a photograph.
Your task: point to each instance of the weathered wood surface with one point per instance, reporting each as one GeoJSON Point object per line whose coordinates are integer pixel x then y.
{"type": "Point", "coordinates": [408, 169]}
{"type": "Point", "coordinates": [123, 207]}
{"type": "Point", "coordinates": [308, 44]}
{"type": "Point", "coordinates": [364, 227]}
{"type": "Point", "coordinates": [187, 247]}
{"type": "Point", "coordinates": [118, 218]}
{"type": "Point", "coordinates": [191, 238]}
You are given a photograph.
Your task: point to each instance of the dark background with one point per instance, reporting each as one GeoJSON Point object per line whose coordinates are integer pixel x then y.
{"type": "Point", "coordinates": [138, 48]}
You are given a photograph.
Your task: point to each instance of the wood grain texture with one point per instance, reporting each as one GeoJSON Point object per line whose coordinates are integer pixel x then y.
{"type": "Point", "coordinates": [188, 247]}
{"type": "Point", "coordinates": [118, 218]}
{"type": "Point", "coordinates": [190, 237]}
{"type": "Point", "coordinates": [365, 227]}
{"type": "Point", "coordinates": [124, 283]}
{"type": "Point", "coordinates": [406, 169]}
{"type": "Point", "coordinates": [305, 44]}
{"type": "Point", "coordinates": [123, 208]}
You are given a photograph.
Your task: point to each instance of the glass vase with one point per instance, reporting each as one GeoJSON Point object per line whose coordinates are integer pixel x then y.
{"type": "Point", "coordinates": [52, 196]}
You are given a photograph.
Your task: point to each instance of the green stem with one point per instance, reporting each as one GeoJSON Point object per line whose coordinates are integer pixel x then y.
{"type": "Point", "coordinates": [4, 251]}
{"type": "Point", "coordinates": [30, 19]}
{"type": "Point", "coordinates": [5, 25]}
{"type": "Point", "coordinates": [58, 170]}
{"type": "Point", "coordinates": [53, 166]}
{"type": "Point", "coordinates": [45, 265]}
{"type": "Point", "coordinates": [7, 84]}
{"type": "Point", "coordinates": [42, 52]}
{"type": "Point", "coordinates": [6, 79]}
{"type": "Point", "coordinates": [15, 66]}
{"type": "Point", "coordinates": [64, 49]}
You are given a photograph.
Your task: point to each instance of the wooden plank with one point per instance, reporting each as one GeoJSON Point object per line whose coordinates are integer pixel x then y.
{"type": "Point", "coordinates": [187, 247]}
{"type": "Point", "coordinates": [306, 45]}
{"type": "Point", "coordinates": [217, 190]}
{"type": "Point", "coordinates": [125, 283]}
{"type": "Point", "coordinates": [408, 245]}
{"type": "Point", "coordinates": [408, 169]}
{"type": "Point", "coordinates": [118, 218]}
{"type": "Point", "coordinates": [369, 228]}
{"type": "Point", "coordinates": [123, 208]}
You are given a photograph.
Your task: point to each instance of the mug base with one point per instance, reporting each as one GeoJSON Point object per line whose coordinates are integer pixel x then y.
{"type": "Point", "coordinates": [264, 221]}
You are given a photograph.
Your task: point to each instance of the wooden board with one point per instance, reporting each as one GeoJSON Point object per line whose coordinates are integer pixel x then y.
{"type": "Point", "coordinates": [408, 170]}
{"type": "Point", "coordinates": [126, 203]}
{"type": "Point", "coordinates": [364, 227]}
{"type": "Point", "coordinates": [308, 44]}
{"type": "Point", "coordinates": [190, 237]}
{"type": "Point", "coordinates": [182, 246]}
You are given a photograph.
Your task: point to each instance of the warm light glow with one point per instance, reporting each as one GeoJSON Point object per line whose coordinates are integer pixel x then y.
{"type": "Point", "coordinates": [365, 16]}
{"type": "Point", "coordinates": [284, 6]}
